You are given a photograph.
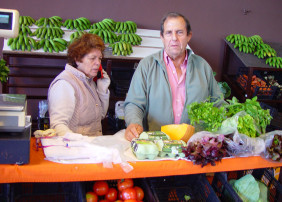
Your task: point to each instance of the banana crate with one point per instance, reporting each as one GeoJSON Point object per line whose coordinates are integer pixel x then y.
{"type": "Point", "coordinates": [225, 191]}
{"type": "Point", "coordinates": [46, 192]}
{"type": "Point", "coordinates": [259, 87]}
{"type": "Point", "coordinates": [182, 188]}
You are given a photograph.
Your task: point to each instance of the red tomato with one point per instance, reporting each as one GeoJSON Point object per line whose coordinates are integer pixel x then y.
{"type": "Point", "coordinates": [101, 188]}
{"type": "Point", "coordinates": [104, 200]}
{"type": "Point", "coordinates": [124, 183]}
{"type": "Point", "coordinates": [91, 197]}
{"type": "Point", "coordinates": [129, 193]}
{"type": "Point", "coordinates": [131, 200]}
{"type": "Point", "coordinates": [112, 194]}
{"type": "Point", "coordinates": [139, 193]}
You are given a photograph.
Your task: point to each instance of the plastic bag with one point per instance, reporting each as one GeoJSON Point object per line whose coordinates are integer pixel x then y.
{"type": "Point", "coordinates": [237, 144]}
{"type": "Point", "coordinates": [119, 110]}
{"type": "Point", "coordinates": [118, 143]}
{"type": "Point", "coordinates": [271, 151]}
{"type": "Point", "coordinates": [43, 108]}
{"type": "Point", "coordinates": [243, 145]}
{"type": "Point", "coordinates": [232, 124]}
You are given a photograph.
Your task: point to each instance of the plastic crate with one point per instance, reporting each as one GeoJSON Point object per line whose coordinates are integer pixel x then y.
{"type": "Point", "coordinates": [226, 193]}
{"type": "Point", "coordinates": [175, 188]}
{"type": "Point", "coordinates": [47, 192]}
{"type": "Point", "coordinates": [5, 192]}
{"type": "Point", "coordinates": [141, 182]}
{"type": "Point", "coordinates": [264, 93]}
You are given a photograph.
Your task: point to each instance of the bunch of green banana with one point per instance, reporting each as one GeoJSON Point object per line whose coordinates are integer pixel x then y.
{"type": "Point", "coordinates": [133, 39]}
{"type": "Point", "coordinates": [48, 32]}
{"type": "Point", "coordinates": [126, 27]}
{"type": "Point", "coordinates": [54, 21]}
{"type": "Point", "coordinates": [264, 50]}
{"type": "Point", "coordinates": [56, 44]}
{"type": "Point", "coordinates": [121, 48]}
{"type": "Point", "coordinates": [22, 42]}
{"type": "Point", "coordinates": [255, 39]}
{"type": "Point", "coordinates": [274, 61]}
{"type": "Point", "coordinates": [106, 24]}
{"type": "Point", "coordinates": [26, 20]}
{"type": "Point", "coordinates": [76, 34]}
{"type": "Point", "coordinates": [4, 69]}
{"type": "Point", "coordinates": [24, 30]}
{"type": "Point", "coordinates": [245, 47]}
{"type": "Point", "coordinates": [237, 38]}
{"type": "Point", "coordinates": [79, 24]}
{"type": "Point", "coordinates": [107, 36]}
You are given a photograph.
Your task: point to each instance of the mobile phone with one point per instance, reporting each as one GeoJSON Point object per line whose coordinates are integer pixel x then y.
{"type": "Point", "coordinates": [99, 74]}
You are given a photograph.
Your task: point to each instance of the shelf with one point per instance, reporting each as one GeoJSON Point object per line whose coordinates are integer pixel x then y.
{"type": "Point", "coordinates": [234, 59]}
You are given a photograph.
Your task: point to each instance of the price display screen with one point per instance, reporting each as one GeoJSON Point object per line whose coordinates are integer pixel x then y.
{"type": "Point", "coordinates": [6, 19]}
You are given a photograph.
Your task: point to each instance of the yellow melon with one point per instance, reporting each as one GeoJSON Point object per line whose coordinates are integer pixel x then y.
{"type": "Point", "coordinates": [179, 131]}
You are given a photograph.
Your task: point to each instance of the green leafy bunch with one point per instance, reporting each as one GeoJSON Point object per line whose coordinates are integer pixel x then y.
{"type": "Point", "coordinates": [207, 113]}
{"type": "Point", "coordinates": [4, 71]}
{"type": "Point", "coordinates": [261, 117]}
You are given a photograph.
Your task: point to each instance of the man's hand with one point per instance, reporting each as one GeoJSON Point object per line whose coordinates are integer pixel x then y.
{"type": "Point", "coordinates": [133, 131]}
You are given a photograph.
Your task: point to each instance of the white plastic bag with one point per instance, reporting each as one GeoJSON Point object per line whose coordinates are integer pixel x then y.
{"type": "Point", "coordinates": [119, 110]}
{"type": "Point", "coordinates": [268, 138]}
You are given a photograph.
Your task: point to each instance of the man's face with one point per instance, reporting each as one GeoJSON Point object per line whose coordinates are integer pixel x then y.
{"type": "Point", "coordinates": [175, 38]}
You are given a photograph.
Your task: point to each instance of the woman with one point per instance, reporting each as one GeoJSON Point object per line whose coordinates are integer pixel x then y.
{"type": "Point", "coordinates": [76, 103]}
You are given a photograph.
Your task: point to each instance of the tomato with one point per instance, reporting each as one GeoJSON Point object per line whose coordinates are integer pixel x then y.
{"type": "Point", "coordinates": [91, 197]}
{"type": "Point", "coordinates": [101, 188]}
{"type": "Point", "coordinates": [104, 200]}
{"type": "Point", "coordinates": [139, 193]}
{"type": "Point", "coordinates": [120, 195]}
{"type": "Point", "coordinates": [112, 194]}
{"type": "Point", "coordinates": [131, 200]}
{"type": "Point", "coordinates": [129, 193]}
{"type": "Point", "coordinates": [124, 183]}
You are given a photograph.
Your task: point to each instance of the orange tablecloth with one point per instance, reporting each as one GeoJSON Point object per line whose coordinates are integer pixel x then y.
{"type": "Point", "coordinates": [40, 170]}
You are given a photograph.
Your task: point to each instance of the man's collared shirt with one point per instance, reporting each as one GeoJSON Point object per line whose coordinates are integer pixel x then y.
{"type": "Point", "coordinates": [177, 86]}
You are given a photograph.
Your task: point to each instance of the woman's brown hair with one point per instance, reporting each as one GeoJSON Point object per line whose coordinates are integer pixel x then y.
{"type": "Point", "coordinates": [83, 45]}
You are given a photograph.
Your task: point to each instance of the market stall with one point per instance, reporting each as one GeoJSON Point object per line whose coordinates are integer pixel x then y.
{"type": "Point", "coordinates": [40, 170]}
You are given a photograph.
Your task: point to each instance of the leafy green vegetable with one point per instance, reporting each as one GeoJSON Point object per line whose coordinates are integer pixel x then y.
{"type": "Point", "coordinates": [225, 89]}
{"type": "Point", "coordinates": [261, 117]}
{"type": "Point", "coordinates": [246, 126]}
{"type": "Point", "coordinates": [207, 113]}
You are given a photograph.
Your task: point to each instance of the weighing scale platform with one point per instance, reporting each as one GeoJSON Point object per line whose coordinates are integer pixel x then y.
{"type": "Point", "coordinates": [15, 147]}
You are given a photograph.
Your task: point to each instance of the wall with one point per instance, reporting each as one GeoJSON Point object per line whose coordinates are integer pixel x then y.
{"type": "Point", "coordinates": [211, 21]}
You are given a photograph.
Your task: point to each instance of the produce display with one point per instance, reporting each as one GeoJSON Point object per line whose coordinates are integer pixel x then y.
{"type": "Point", "coordinates": [255, 45]}
{"type": "Point", "coordinates": [126, 27]}
{"type": "Point", "coordinates": [107, 36]}
{"type": "Point", "coordinates": [131, 38]}
{"type": "Point", "coordinates": [119, 35]}
{"type": "Point", "coordinates": [54, 21]}
{"type": "Point", "coordinates": [48, 32]}
{"type": "Point", "coordinates": [206, 150]}
{"type": "Point", "coordinates": [115, 190]}
{"type": "Point", "coordinates": [56, 44]}
{"type": "Point", "coordinates": [252, 120]}
{"type": "Point", "coordinates": [26, 20]}
{"type": "Point", "coordinates": [121, 48]}
{"type": "Point", "coordinates": [79, 24]}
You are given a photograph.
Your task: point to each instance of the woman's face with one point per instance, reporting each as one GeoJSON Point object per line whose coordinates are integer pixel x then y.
{"type": "Point", "coordinates": [90, 63]}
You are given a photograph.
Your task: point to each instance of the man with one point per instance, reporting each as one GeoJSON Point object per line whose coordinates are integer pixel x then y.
{"type": "Point", "coordinates": [165, 83]}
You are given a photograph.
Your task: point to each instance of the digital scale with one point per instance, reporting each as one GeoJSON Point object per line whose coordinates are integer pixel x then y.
{"type": "Point", "coordinates": [15, 125]}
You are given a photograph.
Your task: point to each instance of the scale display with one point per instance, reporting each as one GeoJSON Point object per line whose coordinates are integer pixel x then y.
{"type": "Point", "coordinates": [9, 23]}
